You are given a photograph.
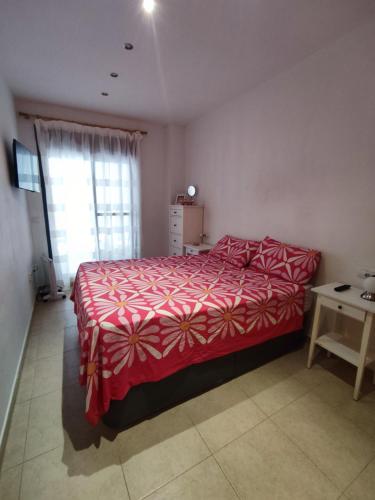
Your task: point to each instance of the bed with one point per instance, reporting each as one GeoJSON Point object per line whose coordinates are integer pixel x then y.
{"type": "Point", "coordinates": [141, 321]}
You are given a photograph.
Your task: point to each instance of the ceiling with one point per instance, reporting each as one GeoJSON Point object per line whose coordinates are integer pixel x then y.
{"type": "Point", "coordinates": [189, 56]}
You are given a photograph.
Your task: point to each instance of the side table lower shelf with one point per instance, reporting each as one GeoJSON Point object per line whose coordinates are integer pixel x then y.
{"type": "Point", "coordinates": [336, 344]}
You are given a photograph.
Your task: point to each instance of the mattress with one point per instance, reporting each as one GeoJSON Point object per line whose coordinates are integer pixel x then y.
{"type": "Point", "coordinates": [141, 320]}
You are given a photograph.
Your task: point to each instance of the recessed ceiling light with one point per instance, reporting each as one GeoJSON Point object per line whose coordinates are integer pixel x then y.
{"type": "Point", "coordinates": [149, 5]}
{"type": "Point", "coordinates": [128, 46]}
{"type": "Point", "coordinates": [105, 94]}
{"type": "Point", "coordinates": [114, 75]}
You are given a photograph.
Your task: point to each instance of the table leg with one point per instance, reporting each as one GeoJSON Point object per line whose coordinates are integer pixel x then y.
{"type": "Point", "coordinates": [362, 354]}
{"type": "Point", "coordinates": [314, 332]}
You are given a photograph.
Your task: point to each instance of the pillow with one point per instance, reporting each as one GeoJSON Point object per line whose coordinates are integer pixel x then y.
{"type": "Point", "coordinates": [236, 251]}
{"type": "Point", "coordinates": [292, 263]}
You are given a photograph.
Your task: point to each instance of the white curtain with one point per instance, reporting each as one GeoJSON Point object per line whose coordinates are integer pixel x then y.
{"type": "Point", "coordinates": [92, 185]}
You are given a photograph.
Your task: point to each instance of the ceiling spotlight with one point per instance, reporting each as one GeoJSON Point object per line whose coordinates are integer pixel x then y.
{"type": "Point", "coordinates": [128, 46]}
{"type": "Point", "coordinates": [105, 94]}
{"type": "Point", "coordinates": [149, 5]}
{"type": "Point", "coordinates": [114, 75]}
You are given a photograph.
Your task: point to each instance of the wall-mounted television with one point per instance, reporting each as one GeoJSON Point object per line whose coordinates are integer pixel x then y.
{"type": "Point", "coordinates": [26, 168]}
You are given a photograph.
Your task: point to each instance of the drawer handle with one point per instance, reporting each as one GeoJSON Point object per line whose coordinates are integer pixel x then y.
{"type": "Point", "coordinates": [339, 307]}
{"type": "Point", "coordinates": [174, 225]}
{"type": "Point", "coordinates": [174, 241]}
{"type": "Point", "coordinates": [175, 213]}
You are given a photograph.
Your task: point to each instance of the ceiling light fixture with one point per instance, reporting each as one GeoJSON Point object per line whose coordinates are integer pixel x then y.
{"type": "Point", "coordinates": [149, 6]}
{"type": "Point", "coordinates": [105, 94]}
{"type": "Point", "coordinates": [114, 75]}
{"type": "Point", "coordinates": [128, 46]}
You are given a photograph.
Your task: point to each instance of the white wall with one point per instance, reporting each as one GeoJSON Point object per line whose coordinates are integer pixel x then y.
{"type": "Point", "coordinates": [16, 292]}
{"type": "Point", "coordinates": [295, 158]}
{"type": "Point", "coordinates": [175, 161]}
{"type": "Point", "coordinates": [153, 172]}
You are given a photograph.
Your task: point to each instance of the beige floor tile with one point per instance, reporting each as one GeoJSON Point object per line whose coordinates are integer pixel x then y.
{"type": "Point", "coordinates": [262, 378]}
{"type": "Point", "coordinates": [292, 362]}
{"type": "Point", "coordinates": [45, 314]}
{"type": "Point", "coordinates": [44, 325]}
{"type": "Point", "coordinates": [313, 376]}
{"type": "Point", "coordinates": [157, 450]}
{"type": "Point", "coordinates": [223, 414]}
{"type": "Point", "coordinates": [31, 349]}
{"type": "Point", "coordinates": [203, 482]}
{"type": "Point", "coordinates": [26, 383]}
{"type": "Point", "coordinates": [333, 442]}
{"type": "Point", "coordinates": [45, 429]}
{"type": "Point", "coordinates": [334, 391]}
{"type": "Point", "coordinates": [71, 362]}
{"type": "Point", "coordinates": [71, 339]}
{"type": "Point", "coordinates": [15, 445]}
{"type": "Point", "coordinates": [48, 375]}
{"type": "Point", "coordinates": [363, 487]}
{"type": "Point", "coordinates": [279, 395]}
{"type": "Point", "coordinates": [53, 417]}
{"type": "Point", "coordinates": [264, 464]}
{"type": "Point", "coordinates": [50, 344]}
{"type": "Point", "coordinates": [10, 481]}
{"type": "Point", "coordinates": [52, 322]}
{"type": "Point", "coordinates": [54, 306]}
{"type": "Point", "coordinates": [361, 412]}
{"type": "Point", "coordinates": [67, 458]}
{"type": "Point", "coordinates": [80, 435]}
{"type": "Point", "coordinates": [70, 474]}
{"type": "Point", "coordinates": [70, 319]}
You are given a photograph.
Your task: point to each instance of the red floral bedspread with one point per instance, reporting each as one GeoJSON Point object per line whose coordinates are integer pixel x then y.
{"type": "Point", "coordinates": [141, 320]}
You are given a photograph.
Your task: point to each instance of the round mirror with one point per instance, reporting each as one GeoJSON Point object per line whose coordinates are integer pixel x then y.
{"type": "Point", "coordinates": [192, 191]}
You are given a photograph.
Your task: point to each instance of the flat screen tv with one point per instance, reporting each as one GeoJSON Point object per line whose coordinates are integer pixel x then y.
{"type": "Point", "coordinates": [26, 168]}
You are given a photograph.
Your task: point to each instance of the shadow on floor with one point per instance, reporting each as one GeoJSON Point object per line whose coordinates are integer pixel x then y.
{"type": "Point", "coordinates": [345, 372]}
{"type": "Point", "coordinates": [110, 446]}
{"type": "Point", "coordinates": [81, 433]}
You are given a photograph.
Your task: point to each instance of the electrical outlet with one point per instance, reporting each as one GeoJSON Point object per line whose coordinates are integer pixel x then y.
{"type": "Point", "coordinates": [30, 276]}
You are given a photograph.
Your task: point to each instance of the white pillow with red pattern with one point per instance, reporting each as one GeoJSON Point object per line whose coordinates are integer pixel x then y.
{"type": "Point", "coordinates": [290, 262]}
{"type": "Point", "coordinates": [235, 251]}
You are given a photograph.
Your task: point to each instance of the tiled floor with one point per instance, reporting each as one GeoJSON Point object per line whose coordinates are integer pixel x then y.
{"type": "Point", "coordinates": [281, 431]}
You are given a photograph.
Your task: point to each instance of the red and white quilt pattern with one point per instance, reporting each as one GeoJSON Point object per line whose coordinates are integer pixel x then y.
{"type": "Point", "coordinates": [141, 320]}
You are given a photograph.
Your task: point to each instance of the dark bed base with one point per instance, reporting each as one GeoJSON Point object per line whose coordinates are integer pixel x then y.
{"type": "Point", "coordinates": [146, 400]}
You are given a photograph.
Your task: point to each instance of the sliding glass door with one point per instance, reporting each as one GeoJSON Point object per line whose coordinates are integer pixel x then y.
{"type": "Point", "coordinates": [92, 193]}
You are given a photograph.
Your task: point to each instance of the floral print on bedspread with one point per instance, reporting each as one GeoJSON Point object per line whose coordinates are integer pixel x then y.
{"type": "Point", "coordinates": [140, 320]}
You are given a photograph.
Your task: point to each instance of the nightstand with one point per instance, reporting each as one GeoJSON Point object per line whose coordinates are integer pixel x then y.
{"type": "Point", "coordinates": [348, 303]}
{"type": "Point", "coordinates": [191, 249]}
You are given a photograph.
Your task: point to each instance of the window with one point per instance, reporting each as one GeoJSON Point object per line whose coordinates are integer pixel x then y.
{"type": "Point", "coordinates": [92, 193]}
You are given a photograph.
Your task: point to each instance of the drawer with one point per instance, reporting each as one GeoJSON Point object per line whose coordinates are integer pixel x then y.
{"type": "Point", "coordinates": [175, 211]}
{"type": "Point", "coordinates": [175, 224]}
{"type": "Point", "coordinates": [353, 312]}
{"type": "Point", "coordinates": [175, 250]}
{"type": "Point", "coordinates": [191, 251]}
{"type": "Point", "coordinates": [175, 240]}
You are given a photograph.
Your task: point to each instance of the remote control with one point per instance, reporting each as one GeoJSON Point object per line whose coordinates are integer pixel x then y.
{"type": "Point", "coordinates": [342, 288]}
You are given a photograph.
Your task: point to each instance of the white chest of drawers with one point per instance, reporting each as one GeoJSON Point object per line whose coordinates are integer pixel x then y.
{"type": "Point", "coordinates": [185, 226]}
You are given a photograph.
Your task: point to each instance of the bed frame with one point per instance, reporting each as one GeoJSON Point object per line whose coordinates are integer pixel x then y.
{"type": "Point", "coordinates": [147, 400]}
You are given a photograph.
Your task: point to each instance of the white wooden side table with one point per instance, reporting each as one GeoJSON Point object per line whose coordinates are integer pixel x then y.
{"type": "Point", "coordinates": [191, 249]}
{"type": "Point", "coordinates": [350, 304]}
